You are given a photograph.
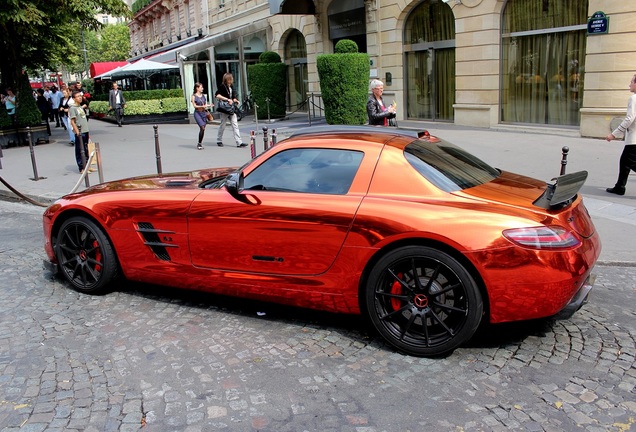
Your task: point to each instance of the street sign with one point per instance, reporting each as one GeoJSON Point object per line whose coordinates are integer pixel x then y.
{"type": "Point", "coordinates": [598, 24]}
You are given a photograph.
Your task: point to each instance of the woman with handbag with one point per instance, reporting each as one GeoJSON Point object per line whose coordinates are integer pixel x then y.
{"type": "Point", "coordinates": [227, 100]}
{"type": "Point", "coordinates": [201, 113]}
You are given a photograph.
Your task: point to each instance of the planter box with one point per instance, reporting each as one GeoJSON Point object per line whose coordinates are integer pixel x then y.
{"type": "Point", "coordinates": [8, 137]}
{"type": "Point", "coordinates": [39, 135]}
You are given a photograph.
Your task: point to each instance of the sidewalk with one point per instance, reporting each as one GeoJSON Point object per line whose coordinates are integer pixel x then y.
{"type": "Point", "coordinates": [130, 151]}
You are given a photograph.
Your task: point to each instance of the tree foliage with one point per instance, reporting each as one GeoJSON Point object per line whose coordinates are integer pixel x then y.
{"type": "Point", "coordinates": [344, 82]}
{"type": "Point", "coordinates": [39, 34]}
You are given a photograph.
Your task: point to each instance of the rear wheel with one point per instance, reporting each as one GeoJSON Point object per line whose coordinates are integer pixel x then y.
{"type": "Point", "coordinates": [422, 301]}
{"type": "Point", "coordinates": [85, 256]}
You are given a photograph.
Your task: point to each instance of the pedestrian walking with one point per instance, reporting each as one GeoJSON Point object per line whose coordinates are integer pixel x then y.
{"type": "Point", "coordinates": [65, 105]}
{"type": "Point", "coordinates": [627, 160]}
{"type": "Point", "coordinates": [226, 93]}
{"type": "Point", "coordinates": [117, 102]}
{"type": "Point", "coordinates": [201, 105]}
{"type": "Point", "coordinates": [379, 114]}
{"type": "Point", "coordinates": [55, 97]}
{"type": "Point", "coordinates": [78, 119]}
{"type": "Point", "coordinates": [9, 103]}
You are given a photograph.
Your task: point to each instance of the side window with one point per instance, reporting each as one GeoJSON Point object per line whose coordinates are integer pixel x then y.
{"type": "Point", "coordinates": [310, 170]}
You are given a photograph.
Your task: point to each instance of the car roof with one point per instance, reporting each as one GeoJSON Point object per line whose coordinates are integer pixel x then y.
{"type": "Point", "coordinates": [379, 134]}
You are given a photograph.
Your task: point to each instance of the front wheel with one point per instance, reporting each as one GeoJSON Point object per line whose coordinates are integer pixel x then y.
{"type": "Point", "coordinates": [85, 255]}
{"type": "Point", "coordinates": [422, 301]}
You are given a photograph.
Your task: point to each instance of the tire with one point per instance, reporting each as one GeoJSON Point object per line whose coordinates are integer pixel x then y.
{"type": "Point", "coordinates": [85, 255]}
{"type": "Point", "coordinates": [424, 316]}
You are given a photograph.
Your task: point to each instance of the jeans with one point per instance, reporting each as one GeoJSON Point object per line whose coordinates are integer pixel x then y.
{"type": "Point", "coordinates": [78, 149]}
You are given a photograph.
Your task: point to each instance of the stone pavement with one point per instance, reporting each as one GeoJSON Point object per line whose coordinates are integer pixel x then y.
{"type": "Point", "coordinates": [532, 151]}
{"type": "Point", "coordinates": [147, 358]}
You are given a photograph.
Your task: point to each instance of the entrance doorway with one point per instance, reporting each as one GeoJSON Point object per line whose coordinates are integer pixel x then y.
{"type": "Point", "coordinates": [297, 74]}
{"type": "Point", "coordinates": [431, 84]}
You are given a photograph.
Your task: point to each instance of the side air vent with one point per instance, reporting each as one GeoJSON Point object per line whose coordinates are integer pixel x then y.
{"type": "Point", "coordinates": [152, 239]}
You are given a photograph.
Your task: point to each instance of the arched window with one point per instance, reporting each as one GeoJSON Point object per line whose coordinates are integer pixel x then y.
{"type": "Point", "coordinates": [543, 61]}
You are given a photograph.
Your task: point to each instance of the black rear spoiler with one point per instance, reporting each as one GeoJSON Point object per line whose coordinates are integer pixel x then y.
{"type": "Point", "coordinates": [563, 191]}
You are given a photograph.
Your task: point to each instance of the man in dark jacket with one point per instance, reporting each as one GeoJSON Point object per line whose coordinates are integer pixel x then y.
{"type": "Point", "coordinates": [117, 102]}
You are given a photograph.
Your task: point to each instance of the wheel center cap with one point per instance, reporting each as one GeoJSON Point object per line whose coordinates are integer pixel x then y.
{"type": "Point", "coordinates": [420, 300]}
{"type": "Point", "coordinates": [82, 255]}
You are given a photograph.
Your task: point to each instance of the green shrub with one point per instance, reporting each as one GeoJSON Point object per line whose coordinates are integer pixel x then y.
{"type": "Point", "coordinates": [174, 104]}
{"type": "Point", "coordinates": [5, 120]}
{"type": "Point", "coordinates": [143, 107]}
{"type": "Point", "coordinates": [268, 81]}
{"type": "Point", "coordinates": [143, 95]}
{"type": "Point", "coordinates": [269, 57]}
{"type": "Point", "coordinates": [26, 110]}
{"type": "Point", "coordinates": [344, 83]}
{"type": "Point", "coordinates": [99, 107]}
{"type": "Point", "coordinates": [346, 46]}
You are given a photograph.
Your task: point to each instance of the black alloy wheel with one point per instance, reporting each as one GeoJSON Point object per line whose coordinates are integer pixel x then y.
{"type": "Point", "coordinates": [422, 301]}
{"type": "Point", "coordinates": [85, 256]}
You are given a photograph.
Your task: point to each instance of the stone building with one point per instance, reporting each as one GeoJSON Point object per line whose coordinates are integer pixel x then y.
{"type": "Point", "coordinates": [562, 64]}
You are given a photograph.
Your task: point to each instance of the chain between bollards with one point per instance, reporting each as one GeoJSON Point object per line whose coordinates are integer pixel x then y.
{"type": "Point", "coordinates": [157, 150]}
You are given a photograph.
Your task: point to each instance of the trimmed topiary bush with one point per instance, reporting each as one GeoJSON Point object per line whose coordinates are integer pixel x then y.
{"type": "Point", "coordinates": [5, 120]}
{"type": "Point", "coordinates": [26, 110]}
{"type": "Point", "coordinates": [344, 83]}
{"type": "Point", "coordinates": [269, 57]}
{"type": "Point", "coordinates": [346, 46]}
{"type": "Point", "coordinates": [267, 80]}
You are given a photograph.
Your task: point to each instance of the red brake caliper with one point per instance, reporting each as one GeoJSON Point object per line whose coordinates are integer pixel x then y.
{"type": "Point", "coordinates": [98, 255]}
{"type": "Point", "coordinates": [396, 289]}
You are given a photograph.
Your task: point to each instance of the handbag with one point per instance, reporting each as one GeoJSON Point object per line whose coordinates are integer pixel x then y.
{"type": "Point", "coordinates": [225, 107]}
{"type": "Point", "coordinates": [208, 115]}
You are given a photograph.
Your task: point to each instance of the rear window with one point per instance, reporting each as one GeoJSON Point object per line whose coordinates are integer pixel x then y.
{"type": "Point", "coordinates": [447, 166]}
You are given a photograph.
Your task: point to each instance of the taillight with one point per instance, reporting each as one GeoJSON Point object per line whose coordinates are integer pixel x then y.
{"type": "Point", "coordinates": [552, 237]}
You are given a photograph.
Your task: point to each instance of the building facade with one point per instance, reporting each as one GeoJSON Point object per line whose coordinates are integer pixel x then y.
{"type": "Point", "coordinates": [562, 64]}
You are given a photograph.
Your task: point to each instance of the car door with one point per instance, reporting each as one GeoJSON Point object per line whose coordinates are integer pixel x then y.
{"type": "Point", "coordinates": [297, 214]}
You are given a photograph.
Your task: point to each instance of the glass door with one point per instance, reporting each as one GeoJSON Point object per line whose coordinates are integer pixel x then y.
{"type": "Point", "coordinates": [431, 84]}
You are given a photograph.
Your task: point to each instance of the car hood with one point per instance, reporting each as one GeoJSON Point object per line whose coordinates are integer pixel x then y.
{"type": "Point", "coordinates": [521, 192]}
{"type": "Point", "coordinates": [181, 180]}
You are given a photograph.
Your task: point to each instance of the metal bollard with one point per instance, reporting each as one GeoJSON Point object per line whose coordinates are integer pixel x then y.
{"type": "Point", "coordinates": [253, 144]}
{"type": "Point", "coordinates": [265, 140]}
{"type": "Point", "coordinates": [32, 150]}
{"type": "Point", "coordinates": [564, 158]}
{"type": "Point", "coordinates": [157, 150]}
{"type": "Point", "coordinates": [83, 156]}
{"type": "Point", "coordinates": [98, 156]}
{"type": "Point", "coordinates": [273, 139]}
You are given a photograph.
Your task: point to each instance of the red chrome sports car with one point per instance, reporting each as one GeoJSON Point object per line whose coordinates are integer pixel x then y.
{"type": "Point", "coordinates": [413, 232]}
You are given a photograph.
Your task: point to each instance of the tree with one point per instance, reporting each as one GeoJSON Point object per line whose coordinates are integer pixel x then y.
{"type": "Point", "coordinates": [38, 34]}
{"type": "Point", "coordinates": [114, 43]}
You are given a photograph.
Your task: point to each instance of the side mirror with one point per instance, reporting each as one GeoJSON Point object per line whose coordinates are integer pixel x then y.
{"type": "Point", "coordinates": [234, 184]}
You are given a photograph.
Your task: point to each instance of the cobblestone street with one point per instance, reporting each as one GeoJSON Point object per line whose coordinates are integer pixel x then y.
{"type": "Point", "coordinates": [157, 359]}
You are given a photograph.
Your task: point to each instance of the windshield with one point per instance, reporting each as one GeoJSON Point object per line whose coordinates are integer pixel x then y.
{"type": "Point", "coordinates": [447, 166]}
